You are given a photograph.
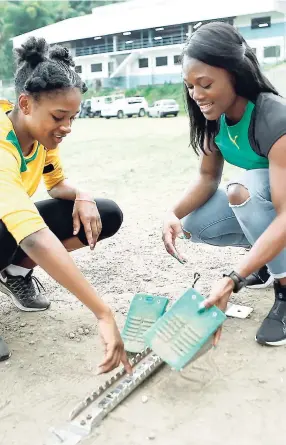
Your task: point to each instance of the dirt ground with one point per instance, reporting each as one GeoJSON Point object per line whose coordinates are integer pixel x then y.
{"type": "Point", "coordinates": [236, 394]}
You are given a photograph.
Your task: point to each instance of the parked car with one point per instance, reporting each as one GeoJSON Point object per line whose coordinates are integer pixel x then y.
{"type": "Point", "coordinates": [162, 108]}
{"type": "Point", "coordinates": [130, 106]}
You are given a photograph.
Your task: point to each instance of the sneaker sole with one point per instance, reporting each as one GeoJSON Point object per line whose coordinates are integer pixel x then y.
{"type": "Point", "coordinates": [5, 357]}
{"type": "Point", "coordinates": [262, 286]}
{"type": "Point", "coordinates": [272, 343]}
{"type": "Point", "coordinates": [18, 305]}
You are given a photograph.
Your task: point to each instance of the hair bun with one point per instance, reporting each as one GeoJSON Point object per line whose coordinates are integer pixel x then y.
{"type": "Point", "coordinates": [35, 84]}
{"type": "Point", "coordinates": [62, 54]}
{"type": "Point", "coordinates": [33, 51]}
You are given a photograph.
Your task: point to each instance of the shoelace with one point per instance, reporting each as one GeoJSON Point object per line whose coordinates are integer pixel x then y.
{"type": "Point", "coordinates": [21, 286]}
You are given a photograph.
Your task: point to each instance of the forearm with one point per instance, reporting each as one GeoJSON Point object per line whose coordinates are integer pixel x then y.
{"type": "Point", "coordinates": [268, 245]}
{"type": "Point", "coordinates": [195, 196]}
{"type": "Point", "coordinates": [46, 250]}
{"type": "Point", "coordinates": [66, 190]}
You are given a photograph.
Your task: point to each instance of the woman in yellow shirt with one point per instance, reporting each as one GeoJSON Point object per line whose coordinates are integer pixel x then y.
{"type": "Point", "coordinates": [48, 98]}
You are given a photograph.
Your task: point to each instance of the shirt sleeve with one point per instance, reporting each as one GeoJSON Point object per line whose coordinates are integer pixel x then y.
{"type": "Point", "coordinates": [53, 171]}
{"type": "Point", "coordinates": [270, 122]}
{"type": "Point", "coordinates": [17, 211]}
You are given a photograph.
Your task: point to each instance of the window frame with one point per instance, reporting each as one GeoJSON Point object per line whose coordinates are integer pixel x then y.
{"type": "Point", "coordinates": [163, 64]}
{"type": "Point", "coordinates": [96, 71]}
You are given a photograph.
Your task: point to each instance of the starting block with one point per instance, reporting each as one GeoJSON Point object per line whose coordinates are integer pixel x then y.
{"type": "Point", "coordinates": [178, 336]}
{"type": "Point", "coordinates": [144, 311]}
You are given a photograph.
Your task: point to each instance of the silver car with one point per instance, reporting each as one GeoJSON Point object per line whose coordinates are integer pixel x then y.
{"type": "Point", "coordinates": [162, 108]}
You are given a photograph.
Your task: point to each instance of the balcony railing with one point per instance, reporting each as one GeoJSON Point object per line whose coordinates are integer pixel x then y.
{"type": "Point", "coordinates": [94, 49]}
{"type": "Point", "coordinates": [132, 44]}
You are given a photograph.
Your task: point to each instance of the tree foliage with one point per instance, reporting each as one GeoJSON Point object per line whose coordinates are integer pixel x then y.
{"type": "Point", "coordinates": [20, 16]}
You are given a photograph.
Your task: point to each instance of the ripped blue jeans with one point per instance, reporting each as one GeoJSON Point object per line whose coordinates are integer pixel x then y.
{"type": "Point", "coordinates": [219, 223]}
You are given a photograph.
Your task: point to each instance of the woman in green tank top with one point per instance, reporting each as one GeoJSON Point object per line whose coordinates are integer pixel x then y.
{"type": "Point", "coordinates": [237, 116]}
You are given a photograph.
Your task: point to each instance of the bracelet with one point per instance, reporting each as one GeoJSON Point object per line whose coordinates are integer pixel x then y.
{"type": "Point", "coordinates": [239, 282]}
{"type": "Point", "coordinates": [82, 199]}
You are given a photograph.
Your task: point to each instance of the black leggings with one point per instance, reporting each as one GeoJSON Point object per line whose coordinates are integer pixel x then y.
{"type": "Point", "coordinates": [57, 214]}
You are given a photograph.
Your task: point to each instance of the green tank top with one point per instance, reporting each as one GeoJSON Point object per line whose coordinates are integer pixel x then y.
{"type": "Point", "coordinates": [234, 145]}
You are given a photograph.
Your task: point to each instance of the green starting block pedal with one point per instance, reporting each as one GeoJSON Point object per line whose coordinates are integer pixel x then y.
{"type": "Point", "coordinates": [144, 311]}
{"type": "Point", "coordinates": [184, 331]}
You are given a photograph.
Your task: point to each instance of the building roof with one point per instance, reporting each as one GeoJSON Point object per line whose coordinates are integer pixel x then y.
{"type": "Point", "coordinates": [142, 14]}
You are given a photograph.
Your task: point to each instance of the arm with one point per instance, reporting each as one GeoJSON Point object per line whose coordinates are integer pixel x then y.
{"type": "Point", "coordinates": [85, 209]}
{"type": "Point", "coordinates": [197, 194]}
{"type": "Point", "coordinates": [65, 190]}
{"type": "Point", "coordinates": [201, 191]}
{"type": "Point", "coordinates": [27, 227]}
{"type": "Point", "coordinates": [273, 240]}
{"type": "Point", "coordinates": [44, 248]}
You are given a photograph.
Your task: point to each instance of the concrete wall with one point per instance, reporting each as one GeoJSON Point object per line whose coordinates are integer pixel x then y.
{"type": "Point", "coordinates": [138, 76]}
{"type": "Point", "coordinates": [260, 38]}
{"type": "Point", "coordinates": [132, 75]}
{"type": "Point", "coordinates": [86, 61]}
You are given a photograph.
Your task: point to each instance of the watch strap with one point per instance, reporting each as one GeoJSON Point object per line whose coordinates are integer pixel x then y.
{"type": "Point", "coordinates": [239, 282]}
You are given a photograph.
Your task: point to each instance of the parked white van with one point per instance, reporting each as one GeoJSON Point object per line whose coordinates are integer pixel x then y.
{"type": "Point", "coordinates": [92, 107]}
{"type": "Point", "coordinates": [130, 106]}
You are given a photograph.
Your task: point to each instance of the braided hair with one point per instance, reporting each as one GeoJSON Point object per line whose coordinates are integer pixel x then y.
{"type": "Point", "coordinates": [44, 69]}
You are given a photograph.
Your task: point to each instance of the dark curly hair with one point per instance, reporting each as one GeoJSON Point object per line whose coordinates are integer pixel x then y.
{"type": "Point", "coordinates": [220, 44]}
{"type": "Point", "coordinates": [44, 69]}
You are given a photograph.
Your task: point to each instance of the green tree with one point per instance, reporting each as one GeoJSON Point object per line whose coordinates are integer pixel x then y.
{"type": "Point", "coordinates": [20, 16]}
{"type": "Point", "coordinates": [24, 16]}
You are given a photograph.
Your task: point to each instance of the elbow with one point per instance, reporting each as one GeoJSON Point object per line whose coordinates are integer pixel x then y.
{"type": "Point", "coordinates": [211, 181]}
{"type": "Point", "coordinates": [34, 240]}
{"type": "Point", "coordinates": [52, 193]}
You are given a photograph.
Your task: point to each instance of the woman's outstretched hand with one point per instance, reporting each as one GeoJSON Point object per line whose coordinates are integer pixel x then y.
{"type": "Point", "coordinates": [172, 229]}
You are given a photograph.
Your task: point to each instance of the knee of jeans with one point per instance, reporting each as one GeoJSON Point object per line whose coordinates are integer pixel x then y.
{"type": "Point", "coordinates": [192, 224]}
{"type": "Point", "coordinates": [237, 194]}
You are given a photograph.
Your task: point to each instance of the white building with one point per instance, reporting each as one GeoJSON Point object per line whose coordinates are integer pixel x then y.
{"type": "Point", "coordinates": [139, 42]}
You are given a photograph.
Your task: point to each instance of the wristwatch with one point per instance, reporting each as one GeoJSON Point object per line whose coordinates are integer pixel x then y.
{"type": "Point", "coordinates": [239, 282]}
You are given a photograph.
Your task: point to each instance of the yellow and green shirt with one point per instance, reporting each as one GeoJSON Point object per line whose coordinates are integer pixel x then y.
{"type": "Point", "coordinates": [20, 177]}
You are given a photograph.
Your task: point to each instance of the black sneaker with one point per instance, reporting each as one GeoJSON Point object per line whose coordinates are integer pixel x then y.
{"type": "Point", "coordinates": [4, 351]}
{"type": "Point", "coordinates": [24, 291]}
{"type": "Point", "coordinates": [260, 279]}
{"type": "Point", "coordinates": [272, 332]}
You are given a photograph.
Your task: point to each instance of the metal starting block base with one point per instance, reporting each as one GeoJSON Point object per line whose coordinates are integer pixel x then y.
{"type": "Point", "coordinates": [89, 413]}
{"type": "Point", "coordinates": [96, 406]}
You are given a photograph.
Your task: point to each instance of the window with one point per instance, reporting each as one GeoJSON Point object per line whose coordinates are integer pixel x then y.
{"type": "Point", "coordinates": [143, 63]}
{"type": "Point", "coordinates": [261, 22]}
{"type": "Point", "coordinates": [272, 51]}
{"type": "Point", "coordinates": [161, 61]}
{"type": "Point", "coordinates": [96, 67]}
{"type": "Point", "coordinates": [177, 60]}
{"type": "Point", "coordinates": [78, 69]}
